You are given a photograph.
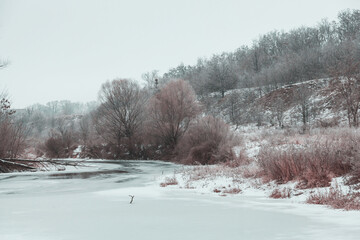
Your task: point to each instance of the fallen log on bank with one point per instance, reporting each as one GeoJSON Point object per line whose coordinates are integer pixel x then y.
{"type": "Point", "coordinates": [10, 166]}
{"type": "Point", "coordinates": [21, 165]}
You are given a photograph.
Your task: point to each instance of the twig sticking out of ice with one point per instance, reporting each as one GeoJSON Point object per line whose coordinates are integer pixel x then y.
{"type": "Point", "coordinates": [132, 198]}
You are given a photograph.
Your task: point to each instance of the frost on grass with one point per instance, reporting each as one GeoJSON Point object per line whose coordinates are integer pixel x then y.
{"type": "Point", "coordinates": [284, 164]}
{"type": "Point", "coordinates": [220, 179]}
{"type": "Point", "coordinates": [337, 198]}
{"type": "Point", "coordinates": [169, 181]}
{"type": "Point", "coordinates": [281, 193]}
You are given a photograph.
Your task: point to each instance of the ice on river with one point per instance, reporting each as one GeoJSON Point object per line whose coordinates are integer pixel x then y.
{"type": "Point", "coordinates": [39, 206]}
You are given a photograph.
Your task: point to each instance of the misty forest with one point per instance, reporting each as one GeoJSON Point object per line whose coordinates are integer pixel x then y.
{"type": "Point", "coordinates": [271, 125]}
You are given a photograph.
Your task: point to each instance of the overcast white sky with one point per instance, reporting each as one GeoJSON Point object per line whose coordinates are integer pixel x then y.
{"type": "Point", "coordinates": [65, 49]}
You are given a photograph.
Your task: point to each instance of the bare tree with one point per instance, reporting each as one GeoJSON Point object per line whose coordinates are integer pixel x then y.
{"type": "Point", "coordinates": [349, 24]}
{"type": "Point", "coordinates": [221, 75]}
{"type": "Point", "coordinates": [170, 113]}
{"type": "Point", "coordinates": [150, 79]}
{"type": "Point", "coordinates": [120, 116]}
{"type": "Point", "coordinates": [13, 133]}
{"type": "Point", "coordinates": [278, 109]}
{"type": "Point", "coordinates": [20, 132]}
{"type": "Point", "coordinates": [302, 98]}
{"type": "Point", "coordinates": [346, 82]}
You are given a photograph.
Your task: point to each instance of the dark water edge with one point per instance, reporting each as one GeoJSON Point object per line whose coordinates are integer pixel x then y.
{"type": "Point", "coordinates": [84, 175]}
{"type": "Point", "coordinates": [90, 175]}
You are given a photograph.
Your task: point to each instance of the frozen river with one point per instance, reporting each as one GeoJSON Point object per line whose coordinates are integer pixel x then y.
{"type": "Point", "coordinates": [93, 203]}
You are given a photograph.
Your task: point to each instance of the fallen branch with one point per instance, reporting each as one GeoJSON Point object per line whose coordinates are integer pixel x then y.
{"type": "Point", "coordinates": [132, 198]}
{"type": "Point", "coordinates": [9, 166]}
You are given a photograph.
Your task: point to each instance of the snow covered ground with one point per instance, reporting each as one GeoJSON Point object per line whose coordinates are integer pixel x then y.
{"type": "Point", "coordinates": [96, 206]}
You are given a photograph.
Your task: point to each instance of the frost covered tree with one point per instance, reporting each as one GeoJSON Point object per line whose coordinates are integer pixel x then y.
{"type": "Point", "coordinates": [349, 24]}
{"type": "Point", "coordinates": [221, 75]}
{"type": "Point", "coordinates": [346, 82]}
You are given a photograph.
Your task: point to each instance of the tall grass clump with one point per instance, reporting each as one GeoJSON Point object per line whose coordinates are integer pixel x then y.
{"type": "Point", "coordinates": [313, 163]}
{"type": "Point", "coordinates": [336, 198]}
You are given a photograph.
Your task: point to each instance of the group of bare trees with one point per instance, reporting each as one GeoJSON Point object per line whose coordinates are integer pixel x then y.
{"type": "Point", "coordinates": [275, 59]}
{"type": "Point", "coordinates": [134, 122]}
{"type": "Point", "coordinates": [346, 82]}
{"type": "Point", "coordinates": [147, 123]}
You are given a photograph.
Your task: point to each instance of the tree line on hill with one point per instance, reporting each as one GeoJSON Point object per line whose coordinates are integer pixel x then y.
{"type": "Point", "coordinates": [275, 59]}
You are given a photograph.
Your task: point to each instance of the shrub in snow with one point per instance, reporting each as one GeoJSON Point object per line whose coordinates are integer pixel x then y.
{"type": "Point", "coordinates": [233, 190]}
{"type": "Point", "coordinates": [336, 198]}
{"type": "Point", "coordinates": [354, 178]}
{"type": "Point", "coordinates": [207, 141]}
{"type": "Point", "coordinates": [284, 193]}
{"type": "Point", "coordinates": [58, 145]}
{"type": "Point", "coordinates": [54, 147]}
{"type": "Point", "coordinates": [169, 181]}
{"type": "Point", "coordinates": [314, 164]}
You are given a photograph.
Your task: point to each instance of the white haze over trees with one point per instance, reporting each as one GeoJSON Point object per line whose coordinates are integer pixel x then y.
{"type": "Point", "coordinates": [67, 49]}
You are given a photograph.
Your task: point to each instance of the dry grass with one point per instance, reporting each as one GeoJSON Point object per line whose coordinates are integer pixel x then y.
{"type": "Point", "coordinates": [196, 173]}
{"type": "Point", "coordinates": [169, 181]}
{"type": "Point", "coordinates": [230, 190]}
{"type": "Point", "coordinates": [336, 198]}
{"type": "Point", "coordinates": [233, 190]}
{"type": "Point", "coordinates": [238, 161]}
{"type": "Point", "coordinates": [313, 162]}
{"type": "Point", "coordinates": [283, 193]}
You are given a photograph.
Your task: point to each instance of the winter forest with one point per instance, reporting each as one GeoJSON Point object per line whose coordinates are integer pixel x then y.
{"type": "Point", "coordinates": [278, 118]}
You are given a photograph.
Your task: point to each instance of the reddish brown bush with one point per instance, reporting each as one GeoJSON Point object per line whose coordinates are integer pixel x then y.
{"type": "Point", "coordinates": [234, 190]}
{"type": "Point", "coordinates": [170, 112]}
{"type": "Point", "coordinates": [354, 178]}
{"type": "Point", "coordinates": [208, 141]}
{"type": "Point", "coordinates": [336, 198]}
{"type": "Point", "coordinates": [54, 146]}
{"type": "Point", "coordinates": [284, 193]}
{"type": "Point", "coordinates": [314, 165]}
{"type": "Point", "coordinates": [240, 160]}
{"type": "Point", "coordinates": [169, 181]}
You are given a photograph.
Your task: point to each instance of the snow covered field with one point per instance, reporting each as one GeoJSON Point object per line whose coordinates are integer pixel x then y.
{"type": "Point", "coordinates": [95, 205]}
